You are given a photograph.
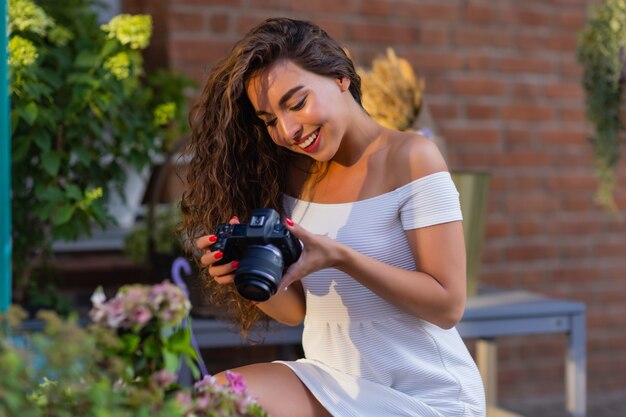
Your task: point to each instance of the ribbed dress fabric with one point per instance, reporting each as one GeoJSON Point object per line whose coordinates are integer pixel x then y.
{"type": "Point", "coordinates": [363, 356]}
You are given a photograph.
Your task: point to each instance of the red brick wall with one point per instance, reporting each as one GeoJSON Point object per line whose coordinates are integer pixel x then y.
{"type": "Point", "coordinates": [503, 84]}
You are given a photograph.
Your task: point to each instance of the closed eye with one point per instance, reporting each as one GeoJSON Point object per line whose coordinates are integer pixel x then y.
{"type": "Point", "coordinates": [270, 123]}
{"type": "Point", "coordinates": [299, 105]}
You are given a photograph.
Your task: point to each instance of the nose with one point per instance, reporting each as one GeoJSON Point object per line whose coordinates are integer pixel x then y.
{"type": "Point", "coordinates": [290, 129]}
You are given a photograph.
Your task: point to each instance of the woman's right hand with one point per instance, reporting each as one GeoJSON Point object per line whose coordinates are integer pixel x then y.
{"type": "Point", "coordinates": [222, 274]}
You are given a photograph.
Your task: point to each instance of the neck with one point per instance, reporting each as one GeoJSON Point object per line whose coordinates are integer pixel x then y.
{"type": "Point", "coordinates": [361, 133]}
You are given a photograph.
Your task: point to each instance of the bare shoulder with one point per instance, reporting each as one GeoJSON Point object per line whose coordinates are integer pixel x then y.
{"type": "Point", "coordinates": [413, 156]}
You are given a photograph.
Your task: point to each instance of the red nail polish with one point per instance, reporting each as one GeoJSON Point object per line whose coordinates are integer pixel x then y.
{"type": "Point", "coordinates": [212, 238]}
{"type": "Point", "coordinates": [289, 221]}
{"type": "Point", "coordinates": [234, 264]}
{"type": "Point", "coordinates": [218, 255]}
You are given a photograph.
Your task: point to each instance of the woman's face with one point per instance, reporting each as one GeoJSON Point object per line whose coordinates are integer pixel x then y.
{"type": "Point", "coordinates": [303, 111]}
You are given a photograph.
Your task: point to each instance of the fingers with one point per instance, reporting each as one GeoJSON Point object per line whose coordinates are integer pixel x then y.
{"type": "Point", "coordinates": [205, 241]}
{"type": "Point", "coordinates": [298, 231]}
{"type": "Point", "coordinates": [224, 274]}
{"type": "Point", "coordinates": [209, 258]}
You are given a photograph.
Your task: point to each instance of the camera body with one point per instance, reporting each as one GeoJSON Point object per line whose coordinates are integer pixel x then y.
{"type": "Point", "coordinates": [264, 248]}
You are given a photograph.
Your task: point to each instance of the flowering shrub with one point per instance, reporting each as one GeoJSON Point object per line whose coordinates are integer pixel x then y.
{"type": "Point", "coordinates": [71, 370]}
{"type": "Point", "coordinates": [147, 320]}
{"type": "Point", "coordinates": [83, 111]}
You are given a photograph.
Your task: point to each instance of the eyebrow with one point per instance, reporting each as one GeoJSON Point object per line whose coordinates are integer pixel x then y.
{"type": "Point", "coordinates": [283, 99]}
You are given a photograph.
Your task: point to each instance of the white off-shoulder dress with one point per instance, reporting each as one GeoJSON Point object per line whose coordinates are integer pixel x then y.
{"type": "Point", "coordinates": [363, 356]}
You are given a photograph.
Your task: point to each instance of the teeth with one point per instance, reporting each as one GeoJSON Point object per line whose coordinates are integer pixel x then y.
{"type": "Point", "coordinates": [309, 141]}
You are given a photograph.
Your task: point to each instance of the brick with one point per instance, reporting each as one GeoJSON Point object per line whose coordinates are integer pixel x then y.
{"type": "Point", "coordinates": [497, 229]}
{"type": "Point", "coordinates": [573, 181]}
{"type": "Point", "coordinates": [477, 87]}
{"type": "Point", "coordinates": [268, 4]}
{"type": "Point", "coordinates": [528, 65]}
{"type": "Point", "coordinates": [434, 60]}
{"type": "Point", "coordinates": [525, 17]}
{"type": "Point", "coordinates": [536, 203]}
{"type": "Point", "coordinates": [472, 160]}
{"type": "Point", "coordinates": [198, 50]}
{"type": "Point", "coordinates": [443, 111]}
{"type": "Point", "coordinates": [531, 252]}
{"type": "Point", "coordinates": [564, 91]}
{"type": "Point", "coordinates": [431, 36]}
{"type": "Point", "coordinates": [479, 12]}
{"type": "Point", "coordinates": [572, 114]}
{"type": "Point", "coordinates": [480, 62]}
{"type": "Point", "coordinates": [427, 11]}
{"type": "Point", "coordinates": [574, 227]}
{"type": "Point", "coordinates": [572, 19]}
{"type": "Point", "coordinates": [334, 27]}
{"type": "Point", "coordinates": [615, 248]}
{"type": "Point", "coordinates": [519, 139]}
{"type": "Point", "coordinates": [472, 135]}
{"type": "Point", "coordinates": [205, 3]}
{"type": "Point", "coordinates": [186, 22]}
{"type": "Point", "coordinates": [219, 22]}
{"type": "Point", "coordinates": [527, 113]}
{"type": "Point", "coordinates": [482, 111]}
{"type": "Point", "coordinates": [244, 22]}
{"type": "Point", "coordinates": [527, 90]}
{"type": "Point", "coordinates": [482, 37]}
{"type": "Point", "coordinates": [375, 7]}
{"type": "Point", "coordinates": [325, 6]}
{"type": "Point", "coordinates": [380, 33]}
{"type": "Point", "coordinates": [541, 42]}
{"type": "Point", "coordinates": [576, 203]}
{"type": "Point", "coordinates": [529, 227]}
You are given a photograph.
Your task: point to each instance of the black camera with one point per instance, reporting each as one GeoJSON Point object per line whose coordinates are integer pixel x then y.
{"type": "Point", "coordinates": [264, 248]}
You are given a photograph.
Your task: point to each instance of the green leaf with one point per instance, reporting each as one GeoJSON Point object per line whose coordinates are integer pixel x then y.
{"type": "Point", "coordinates": [29, 114]}
{"type": "Point", "coordinates": [42, 139]}
{"type": "Point", "coordinates": [171, 361]}
{"type": "Point", "coordinates": [131, 342]}
{"type": "Point", "coordinates": [15, 120]}
{"type": "Point", "coordinates": [87, 59]}
{"type": "Point", "coordinates": [49, 193]}
{"type": "Point", "coordinates": [83, 156]}
{"type": "Point", "coordinates": [51, 162]}
{"type": "Point", "coordinates": [108, 48]}
{"type": "Point", "coordinates": [63, 214]}
{"type": "Point", "coordinates": [83, 78]}
{"type": "Point", "coordinates": [73, 191]}
{"type": "Point", "coordinates": [20, 146]}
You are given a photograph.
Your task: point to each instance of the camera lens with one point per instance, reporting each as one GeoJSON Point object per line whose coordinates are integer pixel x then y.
{"type": "Point", "coordinates": [259, 272]}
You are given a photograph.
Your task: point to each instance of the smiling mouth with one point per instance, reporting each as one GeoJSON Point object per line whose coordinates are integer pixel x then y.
{"type": "Point", "coordinates": [310, 140]}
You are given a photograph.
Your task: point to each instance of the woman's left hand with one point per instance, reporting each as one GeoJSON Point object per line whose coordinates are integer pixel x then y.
{"type": "Point", "coordinates": [318, 252]}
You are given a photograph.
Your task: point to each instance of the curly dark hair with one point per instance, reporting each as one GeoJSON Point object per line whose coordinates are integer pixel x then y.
{"type": "Point", "coordinates": [234, 165]}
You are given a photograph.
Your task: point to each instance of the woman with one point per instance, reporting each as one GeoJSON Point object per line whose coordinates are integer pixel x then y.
{"type": "Point", "coordinates": [380, 283]}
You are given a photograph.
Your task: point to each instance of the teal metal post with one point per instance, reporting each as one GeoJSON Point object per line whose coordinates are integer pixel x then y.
{"type": "Point", "coordinates": [5, 167]}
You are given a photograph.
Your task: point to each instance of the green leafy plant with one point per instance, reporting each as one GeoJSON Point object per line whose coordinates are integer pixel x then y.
{"type": "Point", "coordinates": [117, 366]}
{"type": "Point", "coordinates": [83, 111]}
{"type": "Point", "coordinates": [601, 53]}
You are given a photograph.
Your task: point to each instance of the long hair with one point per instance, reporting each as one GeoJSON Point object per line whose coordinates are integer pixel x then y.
{"type": "Point", "coordinates": [234, 165]}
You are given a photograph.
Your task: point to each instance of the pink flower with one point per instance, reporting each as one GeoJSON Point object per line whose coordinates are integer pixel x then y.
{"type": "Point", "coordinates": [236, 382]}
{"type": "Point", "coordinates": [205, 382]}
{"type": "Point", "coordinates": [140, 315]}
{"type": "Point", "coordinates": [115, 314]}
{"type": "Point", "coordinates": [163, 378]}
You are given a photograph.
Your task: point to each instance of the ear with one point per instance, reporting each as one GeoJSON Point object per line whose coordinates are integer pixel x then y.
{"type": "Point", "coordinates": [343, 83]}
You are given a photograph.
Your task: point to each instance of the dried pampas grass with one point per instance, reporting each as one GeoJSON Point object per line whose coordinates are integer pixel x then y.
{"type": "Point", "coordinates": [391, 93]}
